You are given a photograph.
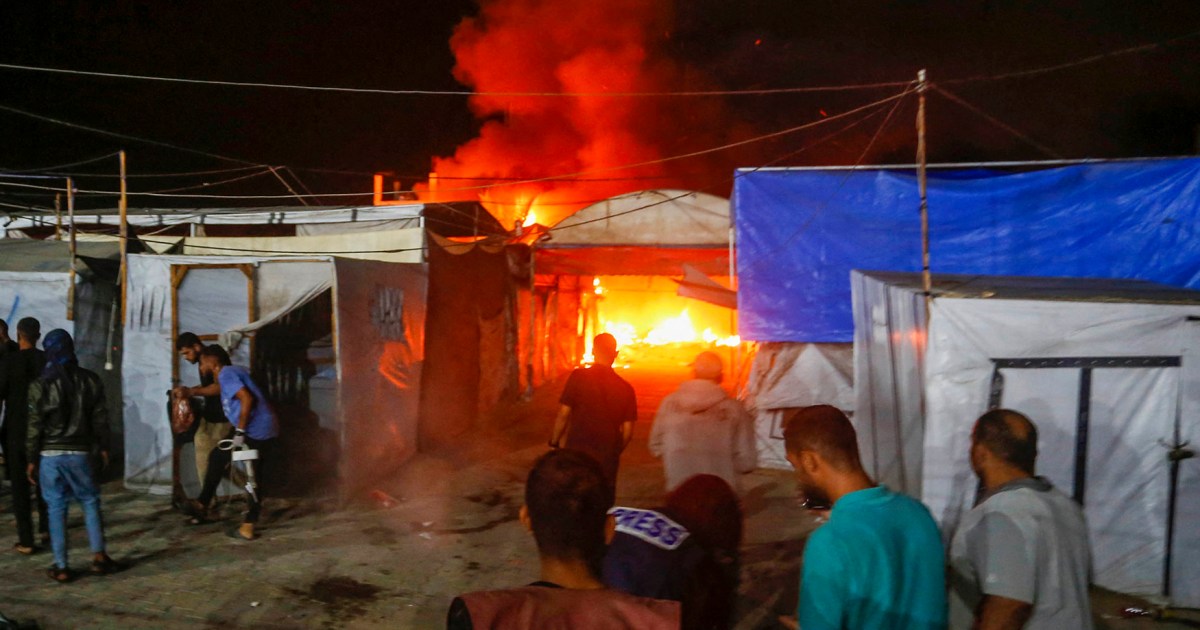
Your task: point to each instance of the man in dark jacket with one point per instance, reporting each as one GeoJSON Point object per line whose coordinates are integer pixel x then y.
{"type": "Point", "coordinates": [17, 370]}
{"type": "Point", "coordinates": [67, 419]}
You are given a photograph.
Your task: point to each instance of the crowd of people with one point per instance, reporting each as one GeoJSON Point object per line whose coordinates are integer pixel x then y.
{"type": "Point", "coordinates": [55, 436]}
{"type": "Point", "coordinates": [1019, 559]}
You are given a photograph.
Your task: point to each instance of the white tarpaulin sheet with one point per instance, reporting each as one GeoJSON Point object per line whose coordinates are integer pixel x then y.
{"type": "Point", "coordinates": [213, 299]}
{"type": "Point", "coordinates": [1109, 381]}
{"type": "Point", "coordinates": [401, 246]}
{"type": "Point", "coordinates": [789, 375]}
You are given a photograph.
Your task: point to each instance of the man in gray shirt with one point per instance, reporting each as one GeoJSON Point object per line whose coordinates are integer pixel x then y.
{"type": "Point", "coordinates": [1020, 558]}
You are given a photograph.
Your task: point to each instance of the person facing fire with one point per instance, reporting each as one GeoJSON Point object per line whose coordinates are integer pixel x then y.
{"type": "Point", "coordinates": [700, 430]}
{"type": "Point", "coordinates": [598, 410]}
{"type": "Point", "coordinates": [566, 509]}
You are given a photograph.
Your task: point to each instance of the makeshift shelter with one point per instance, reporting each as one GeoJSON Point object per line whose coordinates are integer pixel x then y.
{"type": "Point", "coordinates": [1107, 369]}
{"type": "Point", "coordinates": [337, 344]}
{"type": "Point", "coordinates": [800, 231]}
{"type": "Point", "coordinates": [615, 260]}
{"type": "Point", "coordinates": [36, 281]}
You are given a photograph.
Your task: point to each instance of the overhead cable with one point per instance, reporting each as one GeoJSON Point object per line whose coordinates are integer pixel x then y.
{"type": "Point", "coordinates": [995, 121]}
{"type": "Point", "coordinates": [356, 90]}
{"type": "Point", "coordinates": [1019, 74]}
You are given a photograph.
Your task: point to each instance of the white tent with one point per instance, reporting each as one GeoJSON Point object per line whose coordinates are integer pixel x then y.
{"type": "Point", "coordinates": [1108, 371]}
{"type": "Point", "coordinates": [376, 352]}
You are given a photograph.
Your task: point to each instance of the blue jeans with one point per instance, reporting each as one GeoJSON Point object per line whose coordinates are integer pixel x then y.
{"type": "Point", "coordinates": [63, 477]}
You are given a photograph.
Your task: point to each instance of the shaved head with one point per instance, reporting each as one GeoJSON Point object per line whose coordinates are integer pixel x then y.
{"type": "Point", "coordinates": [826, 431]}
{"type": "Point", "coordinates": [1009, 435]}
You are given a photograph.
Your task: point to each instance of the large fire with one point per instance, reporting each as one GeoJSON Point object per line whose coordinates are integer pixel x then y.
{"type": "Point", "coordinates": [552, 137]}
{"type": "Point", "coordinates": [652, 325]}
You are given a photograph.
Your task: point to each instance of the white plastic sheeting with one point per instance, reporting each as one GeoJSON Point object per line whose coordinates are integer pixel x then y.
{"type": "Point", "coordinates": [648, 217]}
{"type": "Point", "coordinates": [403, 245]}
{"type": "Point", "coordinates": [214, 298]}
{"type": "Point", "coordinates": [982, 352]}
{"type": "Point", "coordinates": [789, 375]}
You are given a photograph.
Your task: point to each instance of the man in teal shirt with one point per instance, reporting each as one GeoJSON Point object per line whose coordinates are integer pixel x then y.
{"type": "Point", "coordinates": [879, 562]}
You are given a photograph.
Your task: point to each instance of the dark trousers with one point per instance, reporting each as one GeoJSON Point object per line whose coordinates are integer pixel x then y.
{"type": "Point", "coordinates": [22, 504]}
{"type": "Point", "coordinates": [218, 465]}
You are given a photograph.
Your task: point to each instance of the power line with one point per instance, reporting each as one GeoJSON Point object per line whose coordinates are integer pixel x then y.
{"type": "Point", "coordinates": [55, 168]}
{"type": "Point", "coordinates": [216, 171]}
{"type": "Point", "coordinates": [1018, 74]}
{"type": "Point", "coordinates": [552, 178]}
{"type": "Point", "coordinates": [739, 174]}
{"type": "Point", "coordinates": [995, 121]}
{"type": "Point", "coordinates": [355, 90]}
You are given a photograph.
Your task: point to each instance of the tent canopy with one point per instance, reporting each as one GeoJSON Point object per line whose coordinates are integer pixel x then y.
{"type": "Point", "coordinates": [646, 233]}
{"type": "Point", "coordinates": [648, 217]}
{"type": "Point", "coordinates": [801, 231]}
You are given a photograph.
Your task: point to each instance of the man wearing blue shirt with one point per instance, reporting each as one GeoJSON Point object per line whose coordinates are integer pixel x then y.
{"type": "Point", "coordinates": [878, 562]}
{"type": "Point", "coordinates": [255, 426]}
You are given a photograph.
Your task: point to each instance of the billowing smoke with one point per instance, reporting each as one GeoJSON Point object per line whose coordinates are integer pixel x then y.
{"type": "Point", "coordinates": [589, 47]}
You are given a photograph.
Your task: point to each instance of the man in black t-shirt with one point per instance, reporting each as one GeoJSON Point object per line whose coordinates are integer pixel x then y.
{"type": "Point", "coordinates": [598, 410]}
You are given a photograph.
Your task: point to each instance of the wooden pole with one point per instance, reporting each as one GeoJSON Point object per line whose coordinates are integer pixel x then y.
{"type": "Point", "coordinates": [533, 305]}
{"type": "Point", "coordinates": [58, 216]}
{"type": "Point", "coordinates": [71, 246]}
{"type": "Point", "coordinates": [926, 278]}
{"type": "Point", "coordinates": [124, 208]}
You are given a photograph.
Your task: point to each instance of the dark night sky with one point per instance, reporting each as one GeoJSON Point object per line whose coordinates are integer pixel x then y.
{"type": "Point", "coordinates": [1133, 105]}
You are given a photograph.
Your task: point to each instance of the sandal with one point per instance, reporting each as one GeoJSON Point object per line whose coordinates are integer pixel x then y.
{"type": "Point", "coordinates": [24, 550]}
{"type": "Point", "coordinates": [105, 566]}
{"type": "Point", "coordinates": [62, 576]}
{"type": "Point", "coordinates": [236, 533]}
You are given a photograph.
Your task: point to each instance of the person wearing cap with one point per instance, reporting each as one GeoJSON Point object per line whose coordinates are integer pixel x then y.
{"type": "Point", "coordinates": [68, 419]}
{"type": "Point", "coordinates": [700, 430]}
{"type": "Point", "coordinates": [598, 410]}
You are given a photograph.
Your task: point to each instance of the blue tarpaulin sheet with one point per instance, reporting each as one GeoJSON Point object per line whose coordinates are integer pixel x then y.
{"type": "Point", "coordinates": [801, 232]}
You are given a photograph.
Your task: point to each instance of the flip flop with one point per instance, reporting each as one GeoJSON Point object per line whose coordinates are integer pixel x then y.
{"type": "Point", "coordinates": [24, 550]}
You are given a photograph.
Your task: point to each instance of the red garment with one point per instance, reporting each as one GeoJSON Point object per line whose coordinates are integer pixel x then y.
{"type": "Point", "coordinates": [541, 608]}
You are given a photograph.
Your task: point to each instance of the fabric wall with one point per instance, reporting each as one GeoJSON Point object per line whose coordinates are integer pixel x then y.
{"type": "Point", "coordinates": [380, 313]}
{"type": "Point", "coordinates": [889, 340]}
{"type": "Point", "coordinates": [401, 245]}
{"type": "Point", "coordinates": [800, 232]}
{"type": "Point", "coordinates": [470, 343]}
{"type": "Point", "coordinates": [789, 375]}
{"type": "Point", "coordinates": [1133, 414]}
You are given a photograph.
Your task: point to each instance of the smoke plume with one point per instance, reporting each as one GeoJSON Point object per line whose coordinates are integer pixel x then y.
{"type": "Point", "coordinates": [584, 48]}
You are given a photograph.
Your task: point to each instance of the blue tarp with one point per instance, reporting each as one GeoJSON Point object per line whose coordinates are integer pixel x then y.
{"type": "Point", "coordinates": [800, 232]}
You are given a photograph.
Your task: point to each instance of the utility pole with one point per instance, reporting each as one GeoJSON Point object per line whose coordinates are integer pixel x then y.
{"type": "Point", "coordinates": [124, 210]}
{"type": "Point", "coordinates": [71, 245]}
{"type": "Point", "coordinates": [927, 280]}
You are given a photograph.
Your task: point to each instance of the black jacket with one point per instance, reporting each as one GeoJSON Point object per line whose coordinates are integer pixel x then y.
{"type": "Point", "coordinates": [73, 418]}
{"type": "Point", "coordinates": [17, 370]}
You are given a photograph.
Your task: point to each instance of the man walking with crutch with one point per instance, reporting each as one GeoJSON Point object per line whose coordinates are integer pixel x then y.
{"type": "Point", "coordinates": [255, 427]}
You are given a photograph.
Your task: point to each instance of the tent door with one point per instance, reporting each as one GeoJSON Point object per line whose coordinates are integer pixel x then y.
{"type": "Point", "coordinates": [1108, 451]}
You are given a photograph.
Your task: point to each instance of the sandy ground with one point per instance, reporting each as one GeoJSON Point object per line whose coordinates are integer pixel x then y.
{"type": "Point", "coordinates": [451, 527]}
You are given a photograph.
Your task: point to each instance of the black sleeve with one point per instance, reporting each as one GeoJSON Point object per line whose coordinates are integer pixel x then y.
{"type": "Point", "coordinates": [459, 618]}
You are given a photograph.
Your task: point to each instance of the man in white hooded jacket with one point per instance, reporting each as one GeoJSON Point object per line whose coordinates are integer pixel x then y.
{"type": "Point", "coordinates": [699, 429]}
